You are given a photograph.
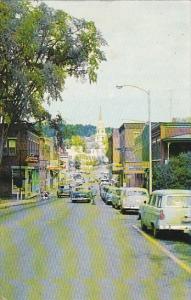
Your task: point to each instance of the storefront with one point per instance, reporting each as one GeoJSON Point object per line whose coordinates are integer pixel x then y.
{"type": "Point", "coordinates": [134, 173]}
{"type": "Point", "coordinates": [25, 182]}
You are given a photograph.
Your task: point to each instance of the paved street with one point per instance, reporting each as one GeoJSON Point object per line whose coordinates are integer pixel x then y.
{"type": "Point", "coordinates": [60, 250]}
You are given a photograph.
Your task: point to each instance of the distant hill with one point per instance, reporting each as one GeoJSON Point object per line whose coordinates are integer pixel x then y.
{"type": "Point", "coordinates": [73, 129]}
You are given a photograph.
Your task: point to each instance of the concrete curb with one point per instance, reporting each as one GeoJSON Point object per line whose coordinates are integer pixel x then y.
{"type": "Point", "coordinates": [19, 202]}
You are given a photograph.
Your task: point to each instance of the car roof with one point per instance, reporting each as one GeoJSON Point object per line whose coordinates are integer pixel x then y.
{"type": "Point", "coordinates": [134, 189]}
{"type": "Point", "coordinates": [172, 191]}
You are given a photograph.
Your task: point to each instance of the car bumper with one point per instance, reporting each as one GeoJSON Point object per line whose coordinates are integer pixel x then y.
{"type": "Point", "coordinates": [130, 208]}
{"type": "Point", "coordinates": [108, 201]}
{"type": "Point", "coordinates": [80, 199]}
{"type": "Point", "coordinates": [185, 228]}
{"type": "Point", "coordinates": [64, 195]}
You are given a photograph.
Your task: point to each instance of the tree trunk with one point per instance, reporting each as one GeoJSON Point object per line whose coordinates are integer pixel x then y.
{"type": "Point", "coordinates": [3, 135]}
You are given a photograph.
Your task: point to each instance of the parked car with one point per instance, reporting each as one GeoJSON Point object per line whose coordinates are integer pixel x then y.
{"type": "Point", "coordinates": [116, 197]}
{"type": "Point", "coordinates": [109, 194]}
{"type": "Point", "coordinates": [81, 194]}
{"type": "Point", "coordinates": [103, 190]}
{"type": "Point", "coordinates": [63, 191]}
{"type": "Point", "coordinates": [112, 194]}
{"type": "Point", "coordinates": [79, 181]}
{"type": "Point", "coordinates": [131, 198]}
{"type": "Point", "coordinates": [167, 210]}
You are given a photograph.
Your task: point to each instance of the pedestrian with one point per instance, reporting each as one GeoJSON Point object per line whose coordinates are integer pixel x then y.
{"type": "Point", "coordinates": [93, 195]}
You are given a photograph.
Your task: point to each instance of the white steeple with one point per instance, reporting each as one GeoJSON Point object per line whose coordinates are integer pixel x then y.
{"type": "Point", "coordinates": [100, 132]}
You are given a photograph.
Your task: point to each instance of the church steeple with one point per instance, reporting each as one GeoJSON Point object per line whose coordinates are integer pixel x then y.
{"type": "Point", "coordinates": [100, 135]}
{"type": "Point", "coordinates": [100, 115]}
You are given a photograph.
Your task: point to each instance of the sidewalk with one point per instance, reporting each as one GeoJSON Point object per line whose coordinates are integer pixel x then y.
{"type": "Point", "coordinates": [6, 203]}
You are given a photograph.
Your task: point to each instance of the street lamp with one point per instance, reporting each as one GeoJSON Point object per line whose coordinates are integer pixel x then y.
{"type": "Point", "coordinates": [150, 129]}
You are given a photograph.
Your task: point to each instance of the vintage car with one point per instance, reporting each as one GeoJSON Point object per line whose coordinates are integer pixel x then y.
{"type": "Point", "coordinates": [103, 190]}
{"type": "Point", "coordinates": [167, 210]}
{"type": "Point", "coordinates": [81, 194]}
{"type": "Point", "coordinates": [63, 191]}
{"type": "Point", "coordinates": [110, 194]}
{"type": "Point", "coordinates": [116, 197]}
{"type": "Point", "coordinates": [131, 198]}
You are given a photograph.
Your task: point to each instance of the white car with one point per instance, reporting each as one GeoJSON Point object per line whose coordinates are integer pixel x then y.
{"type": "Point", "coordinates": [131, 198]}
{"type": "Point", "coordinates": [167, 210]}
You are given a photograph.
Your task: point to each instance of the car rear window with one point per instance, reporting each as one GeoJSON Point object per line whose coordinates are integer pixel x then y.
{"type": "Point", "coordinates": [178, 201]}
{"type": "Point", "coordinates": [136, 193]}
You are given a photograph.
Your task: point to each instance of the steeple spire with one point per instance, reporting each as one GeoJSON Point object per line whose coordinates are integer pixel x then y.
{"type": "Point", "coordinates": [100, 114]}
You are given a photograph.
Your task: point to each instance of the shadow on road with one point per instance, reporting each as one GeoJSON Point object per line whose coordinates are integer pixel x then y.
{"type": "Point", "coordinates": [176, 237]}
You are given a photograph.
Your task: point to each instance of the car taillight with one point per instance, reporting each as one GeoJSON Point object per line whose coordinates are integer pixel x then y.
{"type": "Point", "coordinates": [161, 216]}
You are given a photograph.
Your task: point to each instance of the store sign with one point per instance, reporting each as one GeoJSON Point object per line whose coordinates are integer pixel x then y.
{"type": "Point", "coordinates": [117, 167]}
{"type": "Point", "coordinates": [136, 167]}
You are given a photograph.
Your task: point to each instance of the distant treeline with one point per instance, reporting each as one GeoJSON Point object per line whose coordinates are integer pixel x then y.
{"type": "Point", "coordinates": [69, 130]}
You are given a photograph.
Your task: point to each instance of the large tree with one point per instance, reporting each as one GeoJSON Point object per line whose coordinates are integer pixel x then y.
{"type": "Point", "coordinates": [40, 47]}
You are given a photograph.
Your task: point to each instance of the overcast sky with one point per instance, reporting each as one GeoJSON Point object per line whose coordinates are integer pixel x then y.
{"type": "Point", "coordinates": [149, 45]}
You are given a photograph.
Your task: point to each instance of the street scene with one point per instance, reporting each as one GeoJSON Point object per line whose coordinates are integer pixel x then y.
{"type": "Point", "coordinates": [95, 150]}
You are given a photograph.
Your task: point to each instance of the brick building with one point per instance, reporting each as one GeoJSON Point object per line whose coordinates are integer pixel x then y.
{"type": "Point", "coordinates": [19, 169]}
{"type": "Point", "coordinates": [131, 154]}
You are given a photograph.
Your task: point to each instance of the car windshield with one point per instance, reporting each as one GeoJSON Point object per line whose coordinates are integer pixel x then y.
{"type": "Point", "coordinates": [136, 193]}
{"type": "Point", "coordinates": [179, 201]}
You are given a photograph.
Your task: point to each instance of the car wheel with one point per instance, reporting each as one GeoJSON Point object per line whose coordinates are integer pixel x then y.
{"type": "Point", "coordinates": [143, 226]}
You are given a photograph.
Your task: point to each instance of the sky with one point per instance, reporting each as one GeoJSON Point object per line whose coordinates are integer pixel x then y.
{"type": "Point", "coordinates": [149, 45]}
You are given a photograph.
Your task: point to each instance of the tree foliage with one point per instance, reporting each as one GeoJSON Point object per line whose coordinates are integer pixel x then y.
{"type": "Point", "coordinates": [56, 124]}
{"type": "Point", "coordinates": [176, 174]}
{"type": "Point", "coordinates": [78, 141]}
{"type": "Point", "coordinates": [40, 47]}
{"type": "Point", "coordinates": [70, 129]}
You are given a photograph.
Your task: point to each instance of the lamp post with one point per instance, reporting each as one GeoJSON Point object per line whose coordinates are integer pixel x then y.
{"type": "Point", "coordinates": [147, 92]}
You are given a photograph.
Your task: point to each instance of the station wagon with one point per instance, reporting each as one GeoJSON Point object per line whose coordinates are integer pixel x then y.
{"type": "Point", "coordinates": [167, 210]}
{"type": "Point", "coordinates": [132, 197]}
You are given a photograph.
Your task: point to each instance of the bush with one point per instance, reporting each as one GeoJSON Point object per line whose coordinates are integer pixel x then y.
{"type": "Point", "coordinates": [174, 175]}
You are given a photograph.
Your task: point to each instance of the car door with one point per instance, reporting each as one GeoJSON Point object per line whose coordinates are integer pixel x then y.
{"type": "Point", "coordinates": [155, 210]}
{"type": "Point", "coordinates": [118, 197]}
{"type": "Point", "coordinates": [149, 210]}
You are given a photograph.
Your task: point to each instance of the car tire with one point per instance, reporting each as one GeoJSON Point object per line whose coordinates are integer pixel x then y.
{"type": "Point", "coordinates": [122, 211]}
{"type": "Point", "coordinates": [143, 226]}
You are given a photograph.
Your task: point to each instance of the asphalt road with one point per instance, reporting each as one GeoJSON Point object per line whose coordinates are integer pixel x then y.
{"type": "Point", "coordinates": [62, 250]}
